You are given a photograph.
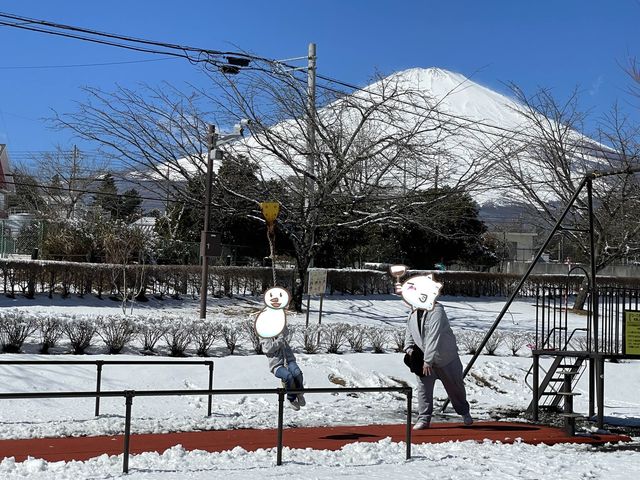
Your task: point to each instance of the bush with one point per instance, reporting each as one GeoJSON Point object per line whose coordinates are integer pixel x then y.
{"type": "Point", "coordinates": [335, 335]}
{"type": "Point", "coordinates": [205, 333]}
{"type": "Point", "coordinates": [80, 333]}
{"type": "Point", "coordinates": [310, 339]}
{"type": "Point", "coordinates": [581, 342]}
{"type": "Point", "coordinates": [232, 335]}
{"type": "Point", "coordinates": [50, 329]}
{"type": "Point", "coordinates": [378, 338]}
{"type": "Point", "coordinates": [178, 338]}
{"type": "Point", "coordinates": [398, 337]}
{"type": "Point", "coordinates": [470, 340]}
{"type": "Point", "coordinates": [356, 337]}
{"type": "Point", "coordinates": [116, 333]}
{"type": "Point", "coordinates": [515, 341]}
{"type": "Point", "coordinates": [250, 331]}
{"type": "Point", "coordinates": [493, 343]}
{"type": "Point", "coordinates": [15, 327]}
{"type": "Point", "coordinates": [151, 333]}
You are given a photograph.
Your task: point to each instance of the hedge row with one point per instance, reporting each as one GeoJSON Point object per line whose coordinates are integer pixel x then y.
{"type": "Point", "coordinates": [30, 277]}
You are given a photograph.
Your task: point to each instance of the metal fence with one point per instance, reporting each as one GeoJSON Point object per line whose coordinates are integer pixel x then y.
{"type": "Point", "coordinates": [20, 237]}
{"type": "Point", "coordinates": [101, 363]}
{"type": "Point", "coordinates": [281, 392]}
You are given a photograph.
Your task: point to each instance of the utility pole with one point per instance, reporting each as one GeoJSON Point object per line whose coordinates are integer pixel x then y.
{"type": "Point", "coordinates": [311, 134]}
{"type": "Point", "coordinates": [311, 119]}
{"type": "Point", "coordinates": [211, 147]}
{"type": "Point", "coordinates": [73, 177]}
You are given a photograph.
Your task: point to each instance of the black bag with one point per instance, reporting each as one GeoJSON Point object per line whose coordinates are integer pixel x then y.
{"type": "Point", "coordinates": [415, 361]}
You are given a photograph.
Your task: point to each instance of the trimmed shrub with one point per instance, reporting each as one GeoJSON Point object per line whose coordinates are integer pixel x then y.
{"type": "Point", "coordinates": [310, 338]}
{"type": "Point", "coordinates": [515, 341]}
{"type": "Point", "coordinates": [255, 339]}
{"type": "Point", "coordinates": [116, 333]}
{"type": "Point", "coordinates": [470, 340]}
{"type": "Point", "coordinates": [50, 329]}
{"type": "Point", "coordinates": [177, 338]}
{"type": "Point", "coordinates": [378, 338]}
{"type": "Point", "coordinates": [493, 343]}
{"type": "Point", "coordinates": [15, 327]}
{"type": "Point", "coordinates": [232, 334]}
{"type": "Point", "coordinates": [356, 337]}
{"type": "Point", "coordinates": [335, 336]}
{"type": "Point", "coordinates": [151, 333]}
{"type": "Point", "coordinates": [80, 333]}
{"type": "Point", "coordinates": [205, 333]}
{"type": "Point", "coordinates": [397, 335]}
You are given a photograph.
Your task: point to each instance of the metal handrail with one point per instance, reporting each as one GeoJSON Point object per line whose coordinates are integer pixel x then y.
{"type": "Point", "coordinates": [281, 392]}
{"type": "Point", "coordinates": [100, 363]}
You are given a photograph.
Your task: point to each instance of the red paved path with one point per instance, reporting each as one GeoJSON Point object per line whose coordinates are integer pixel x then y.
{"type": "Point", "coordinates": [330, 438]}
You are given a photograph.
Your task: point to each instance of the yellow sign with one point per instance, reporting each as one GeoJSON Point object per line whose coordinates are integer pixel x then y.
{"type": "Point", "coordinates": [631, 332]}
{"type": "Point", "coordinates": [270, 210]}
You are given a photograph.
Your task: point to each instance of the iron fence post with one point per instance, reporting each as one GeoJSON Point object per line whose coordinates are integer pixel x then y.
{"type": "Point", "coordinates": [592, 388]}
{"type": "Point", "coordinates": [280, 422]}
{"type": "Point", "coordinates": [209, 402]}
{"type": "Point", "coordinates": [409, 393]}
{"type": "Point", "coordinates": [99, 364]}
{"type": "Point", "coordinates": [536, 386]}
{"type": "Point", "coordinates": [600, 390]}
{"type": "Point", "coordinates": [128, 395]}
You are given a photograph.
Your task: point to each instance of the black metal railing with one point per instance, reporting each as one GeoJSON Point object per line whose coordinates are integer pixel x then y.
{"type": "Point", "coordinates": [281, 392]}
{"type": "Point", "coordinates": [100, 363]}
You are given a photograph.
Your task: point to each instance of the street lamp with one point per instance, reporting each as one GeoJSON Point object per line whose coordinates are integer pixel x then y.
{"type": "Point", "coordinates": [209, 242]}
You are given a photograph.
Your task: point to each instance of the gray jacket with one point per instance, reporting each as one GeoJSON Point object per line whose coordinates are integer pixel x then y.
{"type": "Point", "coordinates": [278, 351]}
{"type": "Point", "coordinates": [437, 340]}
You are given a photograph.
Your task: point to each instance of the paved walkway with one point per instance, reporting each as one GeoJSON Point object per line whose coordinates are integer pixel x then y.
{"type": "Point", "coordinates": [329, 438]}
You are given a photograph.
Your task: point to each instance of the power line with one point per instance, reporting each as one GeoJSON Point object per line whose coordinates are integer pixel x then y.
{"type": "Point", "coordinates": [29, 67]}
{"type": "Point", "coordinates": [28, 24]}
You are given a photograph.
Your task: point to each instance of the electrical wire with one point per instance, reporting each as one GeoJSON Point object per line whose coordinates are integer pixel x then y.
{"type": "Point", "coordinates": [79, 65]}
{"type": "Point", "coordinates": [28, 24]}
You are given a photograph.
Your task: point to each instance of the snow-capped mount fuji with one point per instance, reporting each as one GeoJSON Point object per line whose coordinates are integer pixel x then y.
{"type": "Point", "coordinates": [462, 98]}
{"type": "Point", "coordinates": [475, 118]}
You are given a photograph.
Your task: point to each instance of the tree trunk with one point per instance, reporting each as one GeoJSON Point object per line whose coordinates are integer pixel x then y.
{"type": "Point", "coordinates": [582, 296]}
{"type": "Point", "coordinates": [298, 289]}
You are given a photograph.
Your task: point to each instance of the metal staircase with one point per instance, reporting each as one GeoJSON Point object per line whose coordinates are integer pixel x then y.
{"type": "Point", "coordinates": [557, 389]}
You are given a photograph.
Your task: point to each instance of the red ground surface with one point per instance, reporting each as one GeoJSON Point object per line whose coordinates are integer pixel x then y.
{"type": "Point", "coordinates": [330, 438]}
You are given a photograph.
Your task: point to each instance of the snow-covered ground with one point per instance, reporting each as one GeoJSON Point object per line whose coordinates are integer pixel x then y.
{"type": "Point", "coordinates": [495, 386]}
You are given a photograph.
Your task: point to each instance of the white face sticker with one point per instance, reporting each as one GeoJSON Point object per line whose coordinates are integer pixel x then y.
{"type": "Point", "coordinates": [421, 292]}
{"type": "Point", "coordinates": [270, 322]}
{"type": "Point", "coordinates": [276, 297]}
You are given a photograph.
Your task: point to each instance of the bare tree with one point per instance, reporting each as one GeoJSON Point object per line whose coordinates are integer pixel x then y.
{"type": "Point", "coordinates": [57, 183]}
{"type": "Point", "coordinates": [373, 150]}
{"type": "Point", "coordinates": [545, 163]}
{"type": "Point", "coordinates": [125, 244]}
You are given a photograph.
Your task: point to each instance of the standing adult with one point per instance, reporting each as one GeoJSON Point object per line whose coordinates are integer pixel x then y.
{"type": "Point", "coordinates": [429, 334]}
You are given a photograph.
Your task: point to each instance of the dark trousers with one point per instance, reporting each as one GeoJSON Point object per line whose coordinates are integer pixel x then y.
{"type": "Point", "coordinates": [291, 376]}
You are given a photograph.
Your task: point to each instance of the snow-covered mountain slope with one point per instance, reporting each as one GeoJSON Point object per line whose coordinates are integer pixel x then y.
{"type": "Point", "coordinates": [460, 127]}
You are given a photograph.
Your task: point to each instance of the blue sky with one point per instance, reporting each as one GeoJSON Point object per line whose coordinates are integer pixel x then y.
{"type": "Point", "coordinates": [558, 44]}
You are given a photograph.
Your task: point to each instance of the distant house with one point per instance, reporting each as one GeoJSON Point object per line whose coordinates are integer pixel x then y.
{"type": "Point", "coordinates": [146, 224]}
